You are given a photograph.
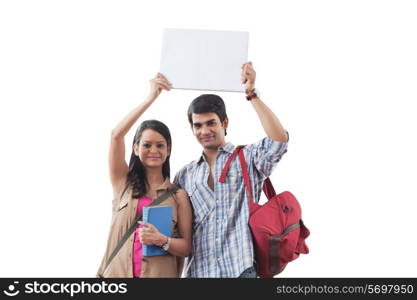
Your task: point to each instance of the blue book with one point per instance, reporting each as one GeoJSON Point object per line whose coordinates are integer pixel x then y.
{"type": "Point", "coordinates": [161, 218]}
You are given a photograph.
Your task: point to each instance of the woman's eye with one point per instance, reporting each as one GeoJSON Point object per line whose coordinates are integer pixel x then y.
{"type": "Point", "coordinates": [147, 145]}
{"type": "Point", "coordinates": [160, 145]}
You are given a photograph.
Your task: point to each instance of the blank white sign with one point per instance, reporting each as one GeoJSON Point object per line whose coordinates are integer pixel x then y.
{"type": "Point", "coordinates": [204, 59]}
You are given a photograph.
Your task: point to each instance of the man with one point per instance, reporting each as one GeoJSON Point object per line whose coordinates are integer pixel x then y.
{"type": "Point", "coordinates": [222, 242]}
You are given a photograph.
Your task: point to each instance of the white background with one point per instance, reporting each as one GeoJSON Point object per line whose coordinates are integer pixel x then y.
{"type": "Point", "coordinates": [340, 75]}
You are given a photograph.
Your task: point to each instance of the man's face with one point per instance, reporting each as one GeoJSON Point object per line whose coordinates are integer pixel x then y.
{"type": "Point", "coordinates": [209, 130]}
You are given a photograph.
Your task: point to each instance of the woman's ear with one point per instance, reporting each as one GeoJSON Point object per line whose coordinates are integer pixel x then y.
{"type": "Point", "coordinates": [136, 149]}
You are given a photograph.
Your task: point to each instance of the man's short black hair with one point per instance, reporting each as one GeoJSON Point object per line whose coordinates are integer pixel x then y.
{"type": "Point", "coordinates": [207, 103]}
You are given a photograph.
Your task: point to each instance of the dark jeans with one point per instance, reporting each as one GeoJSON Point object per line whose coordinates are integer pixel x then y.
{"type": "Point", "coordinates": [248, 273]}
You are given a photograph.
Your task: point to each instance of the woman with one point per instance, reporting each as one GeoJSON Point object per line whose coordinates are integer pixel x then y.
{"type": "Point", "coordinates": [136, 186]}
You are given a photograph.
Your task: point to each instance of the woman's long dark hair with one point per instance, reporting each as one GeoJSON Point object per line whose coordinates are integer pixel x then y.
{"type": "Point", "coordinates": [136, 177]}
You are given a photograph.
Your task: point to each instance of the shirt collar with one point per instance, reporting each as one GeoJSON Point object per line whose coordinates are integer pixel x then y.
{"type": "Point", "coordinates": [228, 147]}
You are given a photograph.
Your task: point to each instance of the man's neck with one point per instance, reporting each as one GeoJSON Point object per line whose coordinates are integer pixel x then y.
{"type": "Point", "coordinates": [211, 153]}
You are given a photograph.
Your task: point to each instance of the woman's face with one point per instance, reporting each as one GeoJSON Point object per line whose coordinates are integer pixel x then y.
{"type": "Point", "coordinates": [152, 149]}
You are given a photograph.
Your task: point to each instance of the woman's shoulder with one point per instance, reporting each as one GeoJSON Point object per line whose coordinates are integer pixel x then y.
{"type": "Point", "coordinates": [168, 185]}
{"type": "Point", "coordinates": [182, 192]}
{"type": "Point", "coordinates": [181, 195]}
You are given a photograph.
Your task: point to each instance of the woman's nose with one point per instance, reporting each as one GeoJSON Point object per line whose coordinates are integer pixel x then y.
{"type": "Point", "coordinates": [154, 149]}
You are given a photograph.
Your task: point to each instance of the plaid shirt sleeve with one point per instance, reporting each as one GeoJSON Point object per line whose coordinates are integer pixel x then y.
{"type": "Point", "coordinates": [179, 178]}
{"type": "Point", "coordinates": [266, 154]}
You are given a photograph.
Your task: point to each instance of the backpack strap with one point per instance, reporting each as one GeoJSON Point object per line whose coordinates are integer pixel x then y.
{"type": "Point", "coordinates": [222, 178]}
{"type": "Point", "coordinates": [268, 189]}
{"type": "Point", "coordinates": [267, 186]}
{"type": "Point", "coordinates": [245, 174]}
{"type": "Point", "coordinates": [239, 151]}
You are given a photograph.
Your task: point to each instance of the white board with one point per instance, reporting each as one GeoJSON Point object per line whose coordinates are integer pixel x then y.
{"type": "Point", "coordinates": [204, 59]}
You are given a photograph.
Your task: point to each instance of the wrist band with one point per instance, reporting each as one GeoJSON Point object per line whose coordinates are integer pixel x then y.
{"type": "Point", "coordinates": [251, 95]}
{"type": "Point", "coordinates": [166, 245]}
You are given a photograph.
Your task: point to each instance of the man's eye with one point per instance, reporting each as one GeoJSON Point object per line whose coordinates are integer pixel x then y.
{"type": "Point", "coordinates": [197, 126]}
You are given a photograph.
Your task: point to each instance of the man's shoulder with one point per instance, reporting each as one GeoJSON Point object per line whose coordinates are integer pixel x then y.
{"type": "Point", "coordinates": [183, 176]}
{"type": "Point", "coordinates": [188, 167]}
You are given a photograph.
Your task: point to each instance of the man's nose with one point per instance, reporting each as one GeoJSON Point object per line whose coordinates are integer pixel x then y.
{"type": "Point", "coordinates": [205, 130]}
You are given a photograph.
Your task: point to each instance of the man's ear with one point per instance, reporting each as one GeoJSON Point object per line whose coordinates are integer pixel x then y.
{"type": "Point", "coordinates": [225, 123]}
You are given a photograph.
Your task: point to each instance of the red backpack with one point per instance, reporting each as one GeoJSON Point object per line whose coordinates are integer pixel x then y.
{"type": "Point", "coordinates": [277, 229]}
